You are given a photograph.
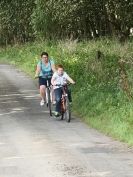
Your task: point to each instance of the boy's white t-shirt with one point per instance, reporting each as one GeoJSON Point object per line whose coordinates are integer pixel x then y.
{"type": "Point", "coordinates": [60, 79]}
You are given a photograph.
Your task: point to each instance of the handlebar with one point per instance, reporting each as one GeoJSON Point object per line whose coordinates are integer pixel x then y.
{"type": "Point", "coordinates": [62, 85]}
{"type": "Point", "coordinates": [46, 77]}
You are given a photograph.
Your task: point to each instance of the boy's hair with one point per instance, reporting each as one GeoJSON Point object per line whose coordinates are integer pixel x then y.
{"type": "Point", "coordinates": [44, 53]}
{"type": "Point", "coordinates": [59, 66]}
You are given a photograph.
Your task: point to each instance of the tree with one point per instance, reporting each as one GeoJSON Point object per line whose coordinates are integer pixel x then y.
{"type": "Point", "coordinates": [15, 18]}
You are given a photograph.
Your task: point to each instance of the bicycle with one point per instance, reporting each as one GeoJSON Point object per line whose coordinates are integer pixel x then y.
{"type": "Point", "coordinates": [65, 104]}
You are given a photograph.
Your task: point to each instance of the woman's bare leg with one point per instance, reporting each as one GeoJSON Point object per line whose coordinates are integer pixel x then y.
{"type": "Point", "coordinates": [43, 92]}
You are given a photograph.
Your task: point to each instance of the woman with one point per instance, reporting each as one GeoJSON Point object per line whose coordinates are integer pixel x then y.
{"type": "Point", "coordinates": [44, 71]}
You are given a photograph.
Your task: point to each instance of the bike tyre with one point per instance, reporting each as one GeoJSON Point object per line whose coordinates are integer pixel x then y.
{"type": "Point", "coordinates": [49, 102]}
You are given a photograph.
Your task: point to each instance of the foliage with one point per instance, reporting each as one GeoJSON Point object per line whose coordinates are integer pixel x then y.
{"type": "Point", "coordinates": [22, 21]}
{"type": "Point", "coordinates": [15, 21]}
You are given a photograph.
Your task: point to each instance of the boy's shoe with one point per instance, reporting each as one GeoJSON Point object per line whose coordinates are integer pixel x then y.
{"type": "Point", "coordinates": [56, 114]}
{"type": "Point", "coordinates": [42, 102]}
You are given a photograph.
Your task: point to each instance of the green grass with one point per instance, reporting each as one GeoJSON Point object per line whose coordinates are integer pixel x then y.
{"type": "Point", "coordinates": [97, 97]}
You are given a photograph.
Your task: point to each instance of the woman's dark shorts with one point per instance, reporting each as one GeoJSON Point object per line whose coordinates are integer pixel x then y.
{"type": "Point", "coordinates": [43, 81]}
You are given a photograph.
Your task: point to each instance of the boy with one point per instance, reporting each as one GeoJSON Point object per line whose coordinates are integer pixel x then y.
{"type": "Point", "coordinates": [60, 77]}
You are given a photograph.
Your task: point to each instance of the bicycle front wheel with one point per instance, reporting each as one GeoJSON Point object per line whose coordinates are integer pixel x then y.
{"type": "Point", "coordinates": [49, 101]}
{"type": "Point", "coordinates": [68, 111]}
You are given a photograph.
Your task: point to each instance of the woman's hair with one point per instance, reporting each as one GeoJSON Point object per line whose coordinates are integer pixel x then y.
{"type": "Point", "coordinates": [44, 53]}
{"type": "Point", "coordinates": [59, 66]}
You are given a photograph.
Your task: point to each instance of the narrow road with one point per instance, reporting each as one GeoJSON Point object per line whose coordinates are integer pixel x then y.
{"type": "Point", "coordinates": [34, 145]}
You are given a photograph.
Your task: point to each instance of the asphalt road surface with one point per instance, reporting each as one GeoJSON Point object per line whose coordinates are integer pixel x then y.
{"type": "Point", "coordinates": [34, 145]}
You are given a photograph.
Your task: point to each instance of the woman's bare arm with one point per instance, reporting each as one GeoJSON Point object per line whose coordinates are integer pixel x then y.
{"type": "Point", "coordinates": [37, 72]}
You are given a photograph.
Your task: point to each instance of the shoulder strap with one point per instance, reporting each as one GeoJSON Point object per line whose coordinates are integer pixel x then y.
{"type": "Point", "coordinates": [41, 65]}
{"type": "Point", "coordinates": [50, 62]}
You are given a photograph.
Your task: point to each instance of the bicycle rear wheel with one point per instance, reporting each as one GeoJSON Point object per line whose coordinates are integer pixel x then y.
{"type": "Point", "coordinates": [49, 101]}
{"type": "Point", "coordinates": [62, 116]}
{"type": "Point", "coordinates": [68, 111]}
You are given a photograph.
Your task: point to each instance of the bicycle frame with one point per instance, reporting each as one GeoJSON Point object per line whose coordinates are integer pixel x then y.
{"type": "Point", "coordinates": [63, 99]}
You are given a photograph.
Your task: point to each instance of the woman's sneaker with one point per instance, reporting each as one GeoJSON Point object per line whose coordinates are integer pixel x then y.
{"type": "Point", "coordinates": [42, 102]}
